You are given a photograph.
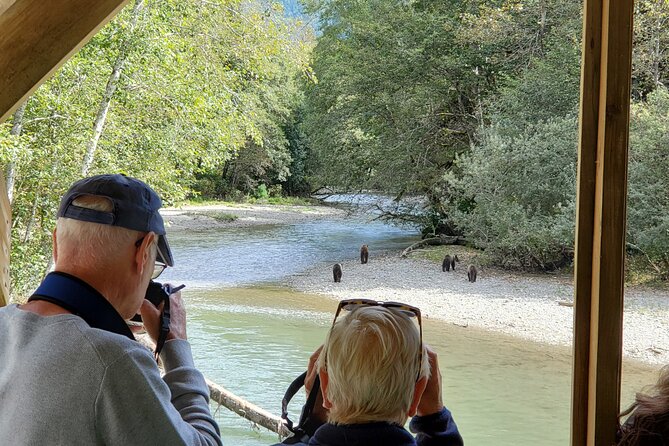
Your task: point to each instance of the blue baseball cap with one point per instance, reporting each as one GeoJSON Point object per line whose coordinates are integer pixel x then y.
{"type": "Point", "coordinates": [135, 207]}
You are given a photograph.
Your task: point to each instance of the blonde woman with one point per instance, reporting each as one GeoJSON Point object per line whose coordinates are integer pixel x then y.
{"type": "Point", "coordinates": [375, 372]}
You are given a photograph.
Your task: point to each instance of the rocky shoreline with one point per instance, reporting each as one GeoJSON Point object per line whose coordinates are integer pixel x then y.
{"type": "Point", "coordinates": [197, 217]}
{"type": "Point", "coordinates": [530, 307]}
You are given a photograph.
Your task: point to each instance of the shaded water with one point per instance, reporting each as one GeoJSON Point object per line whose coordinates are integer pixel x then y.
{"type": "Point", "coordinates": [254, 340]}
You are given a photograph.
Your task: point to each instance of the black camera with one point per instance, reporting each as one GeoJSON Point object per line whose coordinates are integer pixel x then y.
{"type": "Point", "coordinates": [156, 293]}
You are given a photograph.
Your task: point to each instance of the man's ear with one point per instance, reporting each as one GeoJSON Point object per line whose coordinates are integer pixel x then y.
{"type": "Point", "coordinates": [417, 395]}
{"type": "Point", "coordinates": [143, 253]}
{"type": "Point", "coordinates": [323, 375]}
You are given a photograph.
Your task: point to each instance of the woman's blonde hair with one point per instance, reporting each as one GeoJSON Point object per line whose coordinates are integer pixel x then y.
{"type": "Point", "coordinates": [649, 412]}
{"type": "Point", "coordinates": [88, 243]}
{"type": "Point", "coordinates": [372, 357]}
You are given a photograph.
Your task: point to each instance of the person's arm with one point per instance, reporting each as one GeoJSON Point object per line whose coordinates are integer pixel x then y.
{"type": "Point", "coordinates": [433, 423]}
{"type": "Point", "coordinates": [437, 429]}
{"type": "Point", "coordinates": [135, 406]}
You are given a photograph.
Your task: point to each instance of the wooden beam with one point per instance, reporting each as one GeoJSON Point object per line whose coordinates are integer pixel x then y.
{"type": "Point", "coordinates": [600, 221]}
{"type": "Point", "coordinates": [38, 37]}
{"type": "Point", "coordinates": [5, 237]}
{"type": "Point", "coordinates": [5, 4]}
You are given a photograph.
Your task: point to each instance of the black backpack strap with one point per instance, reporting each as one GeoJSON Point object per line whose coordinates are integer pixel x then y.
{"type": "Point", "coordinates": [293, 388]}
{"type": "Point", "coordinates": [307, 425]}
{"type": "Point", "coordinates": [307, 422]}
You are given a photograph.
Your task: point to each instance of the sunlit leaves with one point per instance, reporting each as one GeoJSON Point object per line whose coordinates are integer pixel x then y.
{"type": "Point", "coordinates": [201, 82]}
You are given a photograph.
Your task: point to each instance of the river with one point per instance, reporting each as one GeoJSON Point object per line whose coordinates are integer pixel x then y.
{"type": "Point", "coordinates": [254, 337]}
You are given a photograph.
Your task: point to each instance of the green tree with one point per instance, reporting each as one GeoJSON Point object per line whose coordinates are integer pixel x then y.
{"type": "Point", "coordinates": [648, 206]}
{"type": "Point", "coordinates": [195, 84]}
{"type": "Point", "coordinates": [517, 195]}
{"type": "Point", "coordinates": [650, 56]}
{"type": "Point", "coordinates": [395, 99]}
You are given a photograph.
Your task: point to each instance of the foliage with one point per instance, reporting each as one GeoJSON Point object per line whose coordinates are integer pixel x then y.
{"type": "Point", "coordinates": [650, 57]}
{"type": "Point", "coordinates": [395, 97]}
{"type": "Point", "coordinates": [404, 87]}
{"type": "Point", "coordinates": [514, 193]}
{"type": "Point", "coordinates": [648, 206]}
{"type": "Point", "coordinates": [518, 195]}
{"type": "Point", "coordinates": [203, 84]}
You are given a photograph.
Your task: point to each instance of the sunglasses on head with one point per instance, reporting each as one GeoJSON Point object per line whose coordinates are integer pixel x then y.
{"type": "Point", "coordinates": [406, 309]}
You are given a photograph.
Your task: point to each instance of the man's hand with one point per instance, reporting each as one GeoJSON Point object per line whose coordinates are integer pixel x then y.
{"type": "Point", "coordinates": [319, 411]}
{"type": "Point", "coordinates": [430, 401]}
{"type": "Point", "coordinates": [151, 318]}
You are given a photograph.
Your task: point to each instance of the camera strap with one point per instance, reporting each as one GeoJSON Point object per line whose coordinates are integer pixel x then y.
{"type": "Point", "coordinates": [307, 424]}
{"type": "Point", "coordinates": [164, 325]}
{"type": "Point", "coordinates": [81, 299]}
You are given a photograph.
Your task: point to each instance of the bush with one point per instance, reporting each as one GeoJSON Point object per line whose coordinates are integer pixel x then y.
{"type": "Point", "coordinates": [261, 192]}
{"type": "Point", "coordinates": [648, 206]}
{"type": "Point", "coordinates": [516, 197]}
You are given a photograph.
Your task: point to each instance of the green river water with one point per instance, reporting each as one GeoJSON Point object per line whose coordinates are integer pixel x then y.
{"type": "Point", "coordinates": [501, 391]}
{"type": "Point", "coordinates": [254, 338]}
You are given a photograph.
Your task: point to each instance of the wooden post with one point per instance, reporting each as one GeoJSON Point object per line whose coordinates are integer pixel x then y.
{"type": "Point", "coordinates": [37, 37]}
{"type": "Point", "coordinates": [600, 220]}
{"type": "Point", "coordinates": [5, 237]}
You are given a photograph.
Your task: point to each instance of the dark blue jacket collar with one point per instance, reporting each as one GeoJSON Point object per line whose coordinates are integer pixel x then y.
{"type": "Point", "coordinates": [75, 295]}
{"type": "Point", "coordinates": [380, 433]}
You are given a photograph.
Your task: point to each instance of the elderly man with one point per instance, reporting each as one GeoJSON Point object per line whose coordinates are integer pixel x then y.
{"type": "Point", "coordinates": [375, 373]}
{"type": "Point", "coordinates": [71, 371]}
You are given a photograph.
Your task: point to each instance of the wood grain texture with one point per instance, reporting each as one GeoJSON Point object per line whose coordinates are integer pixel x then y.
{"type": "Point", "coordinates": [37, 37]}
{"type": "Point", "coordinates": [5, 233]}
{"type": "Point", "coordinates": [600, 230]}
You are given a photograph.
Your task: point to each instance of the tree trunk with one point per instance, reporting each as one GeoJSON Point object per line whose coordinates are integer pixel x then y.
{"type": "Point", "coordinates": [17, 127]}
{"type": "Point", "coordinates": [112, 83]}
{"type": "Point", "coordinates": [246, 409]}
{"type": "Point", "coordinates": [542, 29]}
{"type": "Point", "coordinates": [657, 54]}
{"type": "Point", "coordinates": [29, 228]}
{"type": "Point", "coordinates": [434, 241]}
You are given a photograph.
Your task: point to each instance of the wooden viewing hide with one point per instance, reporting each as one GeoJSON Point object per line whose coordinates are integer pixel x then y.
{"type": "Point", "coordinates": [37, 36]}
{"type": "Point", "coordinates": [600, 221]}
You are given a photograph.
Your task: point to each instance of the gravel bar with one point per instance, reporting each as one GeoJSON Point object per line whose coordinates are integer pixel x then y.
{"type": "Point", "coordinates": [531, 307]}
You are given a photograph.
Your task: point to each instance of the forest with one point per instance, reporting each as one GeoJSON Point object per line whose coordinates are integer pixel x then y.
{"type": "Point", "coordinates": [469, 105]}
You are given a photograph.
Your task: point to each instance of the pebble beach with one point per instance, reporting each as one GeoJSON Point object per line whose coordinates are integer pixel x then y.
{"type": "Point", "coordinates": [531, 307]}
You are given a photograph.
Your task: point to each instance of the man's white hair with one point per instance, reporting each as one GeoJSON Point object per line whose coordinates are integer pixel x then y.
{"type": "Point", "coordinates": [372, 356]}
{"type": "Point", "coordinates": [84, 243]}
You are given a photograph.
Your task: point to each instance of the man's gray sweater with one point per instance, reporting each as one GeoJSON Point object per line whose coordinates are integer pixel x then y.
{"type": "Point", "coordinates": [65, 383]}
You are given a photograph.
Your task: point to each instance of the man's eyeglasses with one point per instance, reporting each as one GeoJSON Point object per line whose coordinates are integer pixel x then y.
{"type": "Point", "coordinates": [159, 266]}
{"type": "Point", "coordinates": [406, 309]}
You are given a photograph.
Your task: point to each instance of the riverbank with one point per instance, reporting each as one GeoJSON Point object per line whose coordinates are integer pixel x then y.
{"type": "Point", "coordinates": [203, 217]}
{"type": "Point", "coordinates": [521, 305]}
{"type": "Point", "coordinates": [526, 306]}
